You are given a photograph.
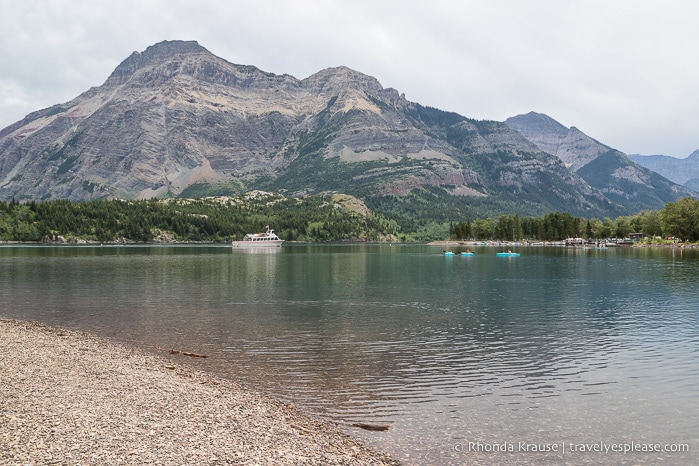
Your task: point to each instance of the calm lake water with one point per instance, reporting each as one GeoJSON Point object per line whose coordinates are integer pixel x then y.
{"type": "Point", "coordinates": [566, 349]}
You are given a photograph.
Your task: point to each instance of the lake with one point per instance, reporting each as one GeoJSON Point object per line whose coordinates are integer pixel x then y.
{"type": "Point", "coordinates": [470, 359]}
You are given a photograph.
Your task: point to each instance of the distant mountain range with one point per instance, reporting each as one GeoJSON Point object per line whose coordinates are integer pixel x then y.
{"type": "Point", "coordinates": [680, 171]}
{"type": "Point", "coordinates": [617, 176]}
{"type": "Point", "coordinates": [178, 121]}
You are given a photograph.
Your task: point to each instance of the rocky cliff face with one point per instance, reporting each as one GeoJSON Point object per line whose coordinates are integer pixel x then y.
{"type": "Point", "coordinates": [166, 118]}
{"type": "Point", "coordinates": [175, 120]}
{"type": "Point", "coordinates": [610, 171]}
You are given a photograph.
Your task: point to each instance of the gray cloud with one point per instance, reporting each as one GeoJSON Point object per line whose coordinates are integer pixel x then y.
{"type": "Point", "coordinates": [624, 72]}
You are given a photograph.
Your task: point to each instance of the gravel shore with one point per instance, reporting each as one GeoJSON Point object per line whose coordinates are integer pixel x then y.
{"type": "Point", "coordinates": [72, 398]}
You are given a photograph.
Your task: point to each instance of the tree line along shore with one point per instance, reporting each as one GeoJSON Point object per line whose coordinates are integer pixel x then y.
{"type": "Point", "coordinates": [320, 218]}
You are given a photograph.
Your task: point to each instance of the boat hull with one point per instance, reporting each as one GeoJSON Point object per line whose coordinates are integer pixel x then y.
{"type": "Point", "coordinates": [277, 243]}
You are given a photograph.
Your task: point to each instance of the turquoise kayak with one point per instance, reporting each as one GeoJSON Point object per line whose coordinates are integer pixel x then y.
{"type": "Point", "coordinates": [449, 253]}
{"type": "Point", "coordinates": [507, 254]}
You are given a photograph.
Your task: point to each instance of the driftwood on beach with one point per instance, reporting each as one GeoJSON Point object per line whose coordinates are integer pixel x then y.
{"type": "Point", "coordinates": [374, 427]}
{"type": "Point", "coordinates": [194, 355]}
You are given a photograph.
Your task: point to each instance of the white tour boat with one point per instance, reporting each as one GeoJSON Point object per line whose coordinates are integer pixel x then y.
{"type": "Point", "coordinates": [267, 239]}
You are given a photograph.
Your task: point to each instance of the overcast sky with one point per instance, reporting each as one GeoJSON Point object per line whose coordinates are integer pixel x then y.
{"type": "Point", "coordinates": [625, 72]}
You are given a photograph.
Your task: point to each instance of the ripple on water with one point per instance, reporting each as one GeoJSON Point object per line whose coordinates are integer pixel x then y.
{"type": "Point", "coordinates": [553, 346]}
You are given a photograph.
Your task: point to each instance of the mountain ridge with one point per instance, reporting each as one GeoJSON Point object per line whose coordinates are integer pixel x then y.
{"type": "Point", "coordinates": [176, 120]}
{"type": "Point", "coordinates": [681, 171]}
{"type": "Point", "coordinates": [610, 171]}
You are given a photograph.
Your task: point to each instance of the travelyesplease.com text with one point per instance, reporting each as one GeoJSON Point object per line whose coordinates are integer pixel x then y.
{"type": "Point", "coordinates": [570, 447]}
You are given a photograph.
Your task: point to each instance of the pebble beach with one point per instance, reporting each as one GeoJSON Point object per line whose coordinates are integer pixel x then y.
{"type": "Point", "coordinates": [71, 398]}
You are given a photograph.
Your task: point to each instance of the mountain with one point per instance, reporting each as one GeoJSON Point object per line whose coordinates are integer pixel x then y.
{"type": "Point", "coordinates": [178, 121]}
{"type": "Point", "coordinates": [680, 171]}
{"type": "Point", "coordinates": [610, 171]}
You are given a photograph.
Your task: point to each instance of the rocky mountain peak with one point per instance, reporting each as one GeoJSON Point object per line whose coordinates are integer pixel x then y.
{"type": "Point", "coordinates": [168, 49]}
{"type": "Point", "coordinates": [533, 122]}
{"type": "Point", "coordinates": [334, 80]}
{"type": "Point", "coordinates": [544, 131]}
{"type": "Point", "coordinates": [186, 64]}
{"type": "Point", "coordinates": [153, 55]}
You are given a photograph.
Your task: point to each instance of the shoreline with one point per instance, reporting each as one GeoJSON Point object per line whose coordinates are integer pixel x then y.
{"type": "Point", "coordinates": [441, 243]}
{"type": "Point", "coordinates": [74, 398]}
{"type": "Point", "coordinates": [491, 243]}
